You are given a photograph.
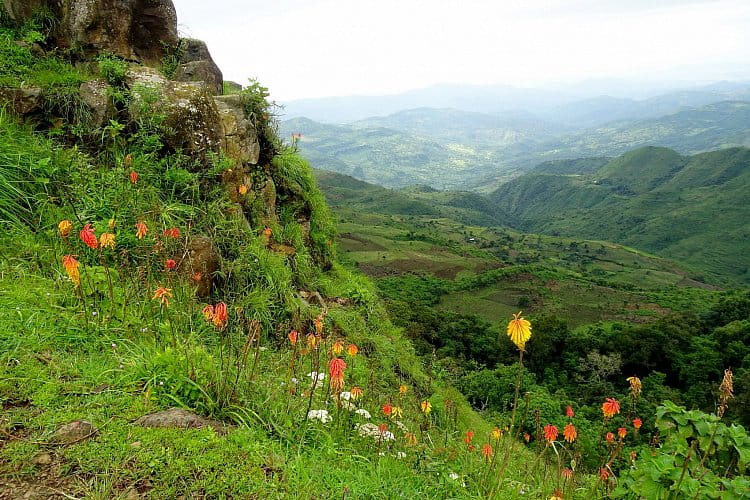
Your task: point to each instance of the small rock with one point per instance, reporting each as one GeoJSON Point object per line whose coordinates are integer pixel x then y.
{"type": "Point", "coordinates": [132, 494]}
{"type": "Point", "coordinates": [136, 444]}
{"type": "Point", "coordinates": [43, 459]}
{"type": "Point", "coordinates": [75, 431]}
{"type": "Point", "coordinates": [23, 101]}
{"type": "Point", "coordinates": [181, 419]}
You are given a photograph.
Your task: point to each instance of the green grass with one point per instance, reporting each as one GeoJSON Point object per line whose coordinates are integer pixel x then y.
{"type": "Point", "coordinates": [115, 356]}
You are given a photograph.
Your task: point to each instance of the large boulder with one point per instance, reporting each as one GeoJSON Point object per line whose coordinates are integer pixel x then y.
{"type": "Point", "coordinates": [191, 117]}
{"type": "Point", "coordinates": [94, 95]}
{"type": "Point", "coordinates": [22, 9]}
{"type": "Point", "coordinates": [197, 65]}
{"type": "Point", "coordinates": [239, 138]}
{"type": "Point", "coordinates": [137, 30]}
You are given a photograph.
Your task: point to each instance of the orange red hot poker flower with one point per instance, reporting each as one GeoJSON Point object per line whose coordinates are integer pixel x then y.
{"type": "Point", "coordinates": [610, 407]}
{"type": "Point", "coordinates": [336, 369]}
{"type": "Point", "coordinates": [141, 229]}
{"type": "Point", "coordinates": [570, 433]}
{"type": "Point", "coordinates": [220, 316]}
{"type": "Point", "coordinates": [71, 268]}
{"type": "Point", "coordinates": [88, 237]}
{"type": "Point", "coordinates": [172, 232]}
{"type": "Point", "coordinates": [163, 295]}
{"type": "Point", "coordinates": [550, 433]}
{"type": "Point", "coordinates": [293, 336]}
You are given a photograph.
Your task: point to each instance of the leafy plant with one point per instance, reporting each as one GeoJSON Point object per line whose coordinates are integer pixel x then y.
{"type": "Point", "coordinates": [113, 69]}
{"type": "Point", "coordinates": [701, 457]}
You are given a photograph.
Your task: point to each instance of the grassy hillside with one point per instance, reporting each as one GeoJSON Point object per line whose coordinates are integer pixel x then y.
{"type": "Point", "coordinates": [694, 130]}
{"type": "Point", "coordinates": [112, 312]}
{"type": "Point", "coordinates": [599, 310]}
{"type": "Point", "coordinates": [176, 322]}
{"type": "Point", "coordinates": [692, 209]}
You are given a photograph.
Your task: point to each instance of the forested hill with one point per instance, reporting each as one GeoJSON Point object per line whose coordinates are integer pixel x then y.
{"type": "Point", "coordinates": [693, 209]}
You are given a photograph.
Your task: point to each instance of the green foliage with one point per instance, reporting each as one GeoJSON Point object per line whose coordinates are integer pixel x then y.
{"type": "Point", "coordinates": [172, 59]}
{"type": "Point", "coordinates": [700, 457]}
{"type": "Point", "coordinates": [112, 69]}
{"type": "Point", "coordinates": [260, 111]}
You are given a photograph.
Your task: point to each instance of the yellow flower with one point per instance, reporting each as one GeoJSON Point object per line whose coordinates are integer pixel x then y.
{"type": "Point", "coordinates": [635, 386]}
{"type": "Point", "coordinates": [397, 412]}
{"type": "Point", "coordinates": [64, 227]}
{"type": "Point", "coordinates": [519, 330]}
{"type": "Point", "coordinates": [242, 189]}
{"type": "Point", "coordinates": [496, 433]}
{"type": "Point", "coordinates": [107, 240]}
{"type": "Point", "coordinates": [111, 224]}
{"type": "Point", "coordinates": [426, 407]}
{"type": "Point", "coordinates": [356, 393]}
{"type": "Point", "coordinates": [338, 347]}
{"type": "Point", "coordinates": [411, 438]}
{"type": "Point", "coordinates": [403, 390]}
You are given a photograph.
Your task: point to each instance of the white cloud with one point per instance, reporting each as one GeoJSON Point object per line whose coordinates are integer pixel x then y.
{"type": "Point", "coordinates": [341, 47]}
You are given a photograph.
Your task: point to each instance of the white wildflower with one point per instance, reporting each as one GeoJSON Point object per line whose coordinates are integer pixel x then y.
{"type": "Point", "coordinates": [363, 413]}
{"type": "Point", "coordinates": [401, 426]}
{"type": "Point", "coordinates": [317, 379]}
{"type": "Point", "coordinates": [347, 405]}
{"type": "Point", "coordinates": [400, 454]}
{"type": "Point", "coordinates": [321, 415]}
{"type": "Point", "coordinates": [453, 476]}
{"type": "Point", "coordinates": [346, 395]}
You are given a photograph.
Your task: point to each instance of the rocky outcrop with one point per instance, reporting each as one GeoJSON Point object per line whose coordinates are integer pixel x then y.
{"type": "Point", "coordinates": [197, 65]}
{"type": "Point", "coordinates": [240, 140]}
{"type": "Point", "coordinates": [137, 30]}
{"type": "Point", "coordinates": [192, 119]}
{"type": "Point", "coordinates": [22, 9]}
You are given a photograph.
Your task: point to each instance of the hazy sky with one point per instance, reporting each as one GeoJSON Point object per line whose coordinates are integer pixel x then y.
{"type": "Point", "coordinates": [315, 48]}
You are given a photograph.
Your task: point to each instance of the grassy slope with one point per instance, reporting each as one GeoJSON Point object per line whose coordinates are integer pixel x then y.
{"type": "Point", "coordinates": [111, 359]}
{"type": "Point", "coordinates": [580, 281]}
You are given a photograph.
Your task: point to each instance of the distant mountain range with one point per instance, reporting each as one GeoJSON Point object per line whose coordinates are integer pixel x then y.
{"type": "Point", "coordinates": [586, 104]}
{"type": "Point", "coordinates": [454, 149]}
